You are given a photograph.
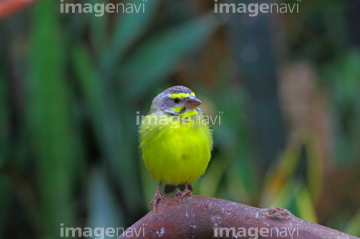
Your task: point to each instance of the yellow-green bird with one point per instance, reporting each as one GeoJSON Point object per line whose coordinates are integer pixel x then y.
{"type": "Point", "coordinates": [176, 140]}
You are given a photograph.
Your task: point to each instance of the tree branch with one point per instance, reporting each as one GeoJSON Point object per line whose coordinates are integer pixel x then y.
{"type": "Point", "coordinates": [206, 217]}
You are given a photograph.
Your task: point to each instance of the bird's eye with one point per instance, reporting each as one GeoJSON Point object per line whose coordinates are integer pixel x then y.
{"type": "Point", "coordinates": [176, 100]}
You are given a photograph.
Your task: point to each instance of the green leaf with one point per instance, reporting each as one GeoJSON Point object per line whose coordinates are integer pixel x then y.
{"type": "Point", "coordinates": [49, 113]}
{"type": "Point", "coordinates": [98, 34]}
{"type": "Point", "coordinates": [148, 183]}
{"type": "Point", "coordinates": [236, 185]}
{"type": "Point", "coordinates": [108, 126]}
{"type": "Point", "coordinates": [92, 89]}
{"type": "Point", "coordinates": [353, 225]}
{"type": "Point", "coordinates": [209, 183]}
{"type": "Point", "coordinates": [104, 212]}
{"type": "Point", "coordinates": [157, 56]}
{"type": "Point", "coordinates": [306, 207]}
{"type": "Point", "coordinates": [278, 176]}
{"type": "Point", "coordinates": [314, 171]}
{"type": "Point", "coordinates": [130, 26]}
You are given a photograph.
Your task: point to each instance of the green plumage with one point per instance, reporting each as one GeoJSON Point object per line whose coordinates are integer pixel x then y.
{"type": "Point", "coordinates": [175, 140]}
{"type": "Point", "coordinates": [176, 153]}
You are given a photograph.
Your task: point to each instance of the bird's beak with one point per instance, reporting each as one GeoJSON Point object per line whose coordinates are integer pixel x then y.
{"type": "Point", "coordinates": [192, 103]}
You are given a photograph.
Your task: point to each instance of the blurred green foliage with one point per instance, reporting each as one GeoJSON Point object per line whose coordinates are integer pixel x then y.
{"type": "Point", "coordinates": [71, 84]}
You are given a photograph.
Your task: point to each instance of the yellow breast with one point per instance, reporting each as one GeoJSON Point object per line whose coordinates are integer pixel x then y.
{"type": "Point", "coordinates": [175, 152]}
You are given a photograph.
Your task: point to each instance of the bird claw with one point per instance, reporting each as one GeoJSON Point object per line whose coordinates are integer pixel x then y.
{"type": "Point", "coordinates": [183, 193]}
{"type": "Point", "coordinates": [156, 197]}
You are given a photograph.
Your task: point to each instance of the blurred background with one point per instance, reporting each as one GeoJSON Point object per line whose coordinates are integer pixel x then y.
{"type": "Point", "coordinates": [286, 86]}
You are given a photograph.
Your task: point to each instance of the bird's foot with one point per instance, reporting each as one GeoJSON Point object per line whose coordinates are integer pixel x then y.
{"type": "Point", "coordinates": [183, 193]}
{"type": "Point", "coordinates": [156, 197]}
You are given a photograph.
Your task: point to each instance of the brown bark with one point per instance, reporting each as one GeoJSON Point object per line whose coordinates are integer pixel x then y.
{"type": "Point", "coordinates": [205, 217]}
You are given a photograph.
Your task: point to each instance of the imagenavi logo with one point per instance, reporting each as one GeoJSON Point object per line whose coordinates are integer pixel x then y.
{"type": "Point", "coordinates": [99, 8]}
{"type": "Point", "coordinates": [253, 9]}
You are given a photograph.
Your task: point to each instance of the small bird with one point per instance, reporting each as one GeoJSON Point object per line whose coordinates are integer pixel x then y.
{"type": "Point", "coordinates": [176, 141]}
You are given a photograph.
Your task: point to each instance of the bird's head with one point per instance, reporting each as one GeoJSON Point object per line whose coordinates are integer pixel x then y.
{"type": "Point", "coordinates": [176, 100]}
